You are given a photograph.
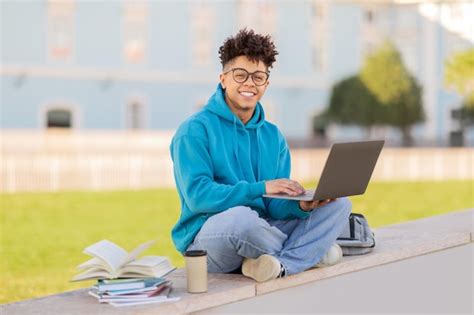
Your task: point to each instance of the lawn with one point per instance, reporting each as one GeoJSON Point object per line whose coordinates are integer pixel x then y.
{"type": "Point", "coordinates": [43, 234]}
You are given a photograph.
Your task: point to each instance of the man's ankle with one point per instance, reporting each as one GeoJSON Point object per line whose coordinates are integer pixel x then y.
{"type": "Point", "coordinates": [282, 271]}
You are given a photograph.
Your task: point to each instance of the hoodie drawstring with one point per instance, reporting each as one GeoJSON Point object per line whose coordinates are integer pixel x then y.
{"type": "Point", "coordinates": [236, 146]}
{"type": "Point", "coordinates": [259, 162]}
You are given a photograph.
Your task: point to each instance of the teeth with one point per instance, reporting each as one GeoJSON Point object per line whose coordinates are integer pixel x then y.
{"type": "Point", "coordinates": [247, 94]}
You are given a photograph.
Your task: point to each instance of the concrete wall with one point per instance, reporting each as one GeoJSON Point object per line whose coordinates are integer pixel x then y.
{"type": "Point", "coordinates": [439, 282]}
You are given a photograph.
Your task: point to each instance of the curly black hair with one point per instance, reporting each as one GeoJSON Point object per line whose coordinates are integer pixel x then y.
{"type": "Point", "coordinates": [247, 43]}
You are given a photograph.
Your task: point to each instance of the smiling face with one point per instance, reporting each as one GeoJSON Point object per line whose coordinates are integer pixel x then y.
{"type": "Point", "coordinates": [242, 98]}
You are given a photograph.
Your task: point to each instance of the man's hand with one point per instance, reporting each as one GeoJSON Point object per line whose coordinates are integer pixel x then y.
{"type": "Point", "coordinates": [309, 205]}
{"type": "Point", "coordinates": [284, 186]}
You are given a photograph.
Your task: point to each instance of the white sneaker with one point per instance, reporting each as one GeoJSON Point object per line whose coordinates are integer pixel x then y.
{"type": "Point", "coordinates": [332, 257]}
{"type": "Point", "coordinates": [261, 269]}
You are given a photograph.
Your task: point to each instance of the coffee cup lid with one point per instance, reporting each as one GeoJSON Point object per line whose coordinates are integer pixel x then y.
{"type": "Point", "coordinates": [195, 253]}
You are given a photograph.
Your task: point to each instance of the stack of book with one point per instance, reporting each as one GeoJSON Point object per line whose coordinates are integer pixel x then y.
{"type": "Point", "coordinates": [126, 292]}
{"type": "Point", "coordinates": [122, 278]}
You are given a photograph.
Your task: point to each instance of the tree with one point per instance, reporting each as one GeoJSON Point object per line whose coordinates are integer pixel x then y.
{"type": "Point", "coordinates": [406, 111]}
{"type": "Point", "coordinates": [387, 78]}
{"type": "Point", "coordinates": [459, 74]}
{"type": "Point", "coordinates": [352, 103]}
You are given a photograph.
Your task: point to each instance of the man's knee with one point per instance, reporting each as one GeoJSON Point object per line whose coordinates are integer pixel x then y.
{"type": "Point", "coordinates": [241, 212]}
{"type": "Point", "coordinates": [341, 206]}
{"type": "Point", "coordinates": [238, 219]}
{"type": "Point", "coordinates": [245, 220]}
{"type": "Point", "coordinates": [248, 234]}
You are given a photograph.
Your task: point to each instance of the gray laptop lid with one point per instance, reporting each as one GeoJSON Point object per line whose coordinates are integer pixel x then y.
{"type": "Point", "coordinates": [348, 169]}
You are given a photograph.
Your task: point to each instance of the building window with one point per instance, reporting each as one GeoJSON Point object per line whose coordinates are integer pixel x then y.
{"type": "Point", "coordinates": [203, 24]}
{"type": "Point", "coordinates": [259, 15]}
{"type": "Point", "coordinates": [369, 16]}
{"type": "Point", "coordinates": [405, 38]}
{"type": "Point", "coordinates": [60, 15]}
{"type": "Point", "coordinates": [58, 118]}
{"type": "Point", "coordinates": [373, 29]}
{"type": "Point", "coordinates": [135, 115]}
{"type": "Point", "coordinates": [319, 33]}
{"type": "Point", "coordinates": [135, 33]}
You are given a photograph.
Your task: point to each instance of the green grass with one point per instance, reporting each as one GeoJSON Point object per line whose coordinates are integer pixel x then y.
{"type": "Point", "coordinates": [43, 234]}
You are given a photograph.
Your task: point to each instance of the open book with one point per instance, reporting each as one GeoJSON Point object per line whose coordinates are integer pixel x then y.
{"type": "Point", "coordinates": [110, 261]}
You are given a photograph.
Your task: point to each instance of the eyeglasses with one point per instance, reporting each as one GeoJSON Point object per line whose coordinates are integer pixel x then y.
{"type": "Point", "coordinates": [241, 75]}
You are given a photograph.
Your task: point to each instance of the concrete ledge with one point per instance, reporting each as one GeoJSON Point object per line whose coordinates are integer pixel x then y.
{"type": "Point", "coordinates": [394, 243]}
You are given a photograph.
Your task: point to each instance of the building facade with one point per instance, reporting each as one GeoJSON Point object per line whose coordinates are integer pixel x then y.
{"type": "Point", "coordinates": [118, 65]}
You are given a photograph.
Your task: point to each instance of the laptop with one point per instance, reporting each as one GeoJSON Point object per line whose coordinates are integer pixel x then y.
{"type": "Point", "coordinates": [347, 171]}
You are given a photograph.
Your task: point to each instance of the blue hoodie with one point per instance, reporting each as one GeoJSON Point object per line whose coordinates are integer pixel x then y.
{"type": "Point", "coordinates": [220, 163]}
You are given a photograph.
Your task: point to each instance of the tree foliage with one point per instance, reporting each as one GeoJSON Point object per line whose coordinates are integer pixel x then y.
{"type": "Point", "coordinates": [459, 74]}
{"type": "Point", "coordinates": [352, 103]}
{"type": "Point", "coordinates": [385, 75]}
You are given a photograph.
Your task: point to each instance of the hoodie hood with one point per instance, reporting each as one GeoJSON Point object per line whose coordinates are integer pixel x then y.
{"type": "Point", "coordinates": [218, 106]}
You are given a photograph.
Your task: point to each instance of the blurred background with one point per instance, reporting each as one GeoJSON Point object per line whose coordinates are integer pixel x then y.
{"type": "Point", "coordinates": [92, 92]}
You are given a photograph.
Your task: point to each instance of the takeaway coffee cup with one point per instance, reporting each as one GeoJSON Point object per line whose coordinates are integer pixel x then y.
{"type": "Point", "coordinates": [196, 270]}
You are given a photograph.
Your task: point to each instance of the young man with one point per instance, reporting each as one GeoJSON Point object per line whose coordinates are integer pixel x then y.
{"type": "Point", "coordinates": [226, 157]}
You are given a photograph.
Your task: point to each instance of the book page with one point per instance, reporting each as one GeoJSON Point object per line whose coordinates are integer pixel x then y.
{"type": "Point", "coordinates": [140, 272]}
{"type": "Point", "coordinates": [112, 254]}
{"type": "Point", "coordinates": [137, 251]}
{"type": "Point", "coordinates": [149, 261]}
{"type": "Point", "coordinates": [91, 274]}
{"type": "Point", "coordinates": [94, 263]}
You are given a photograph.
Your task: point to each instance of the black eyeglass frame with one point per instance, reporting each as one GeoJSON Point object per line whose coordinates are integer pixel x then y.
{"type": "Point", "coordinates": [249, 74]}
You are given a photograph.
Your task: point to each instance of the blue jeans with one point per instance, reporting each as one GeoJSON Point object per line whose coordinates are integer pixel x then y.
{"type": "Point", "coordinates": [299, 244]}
